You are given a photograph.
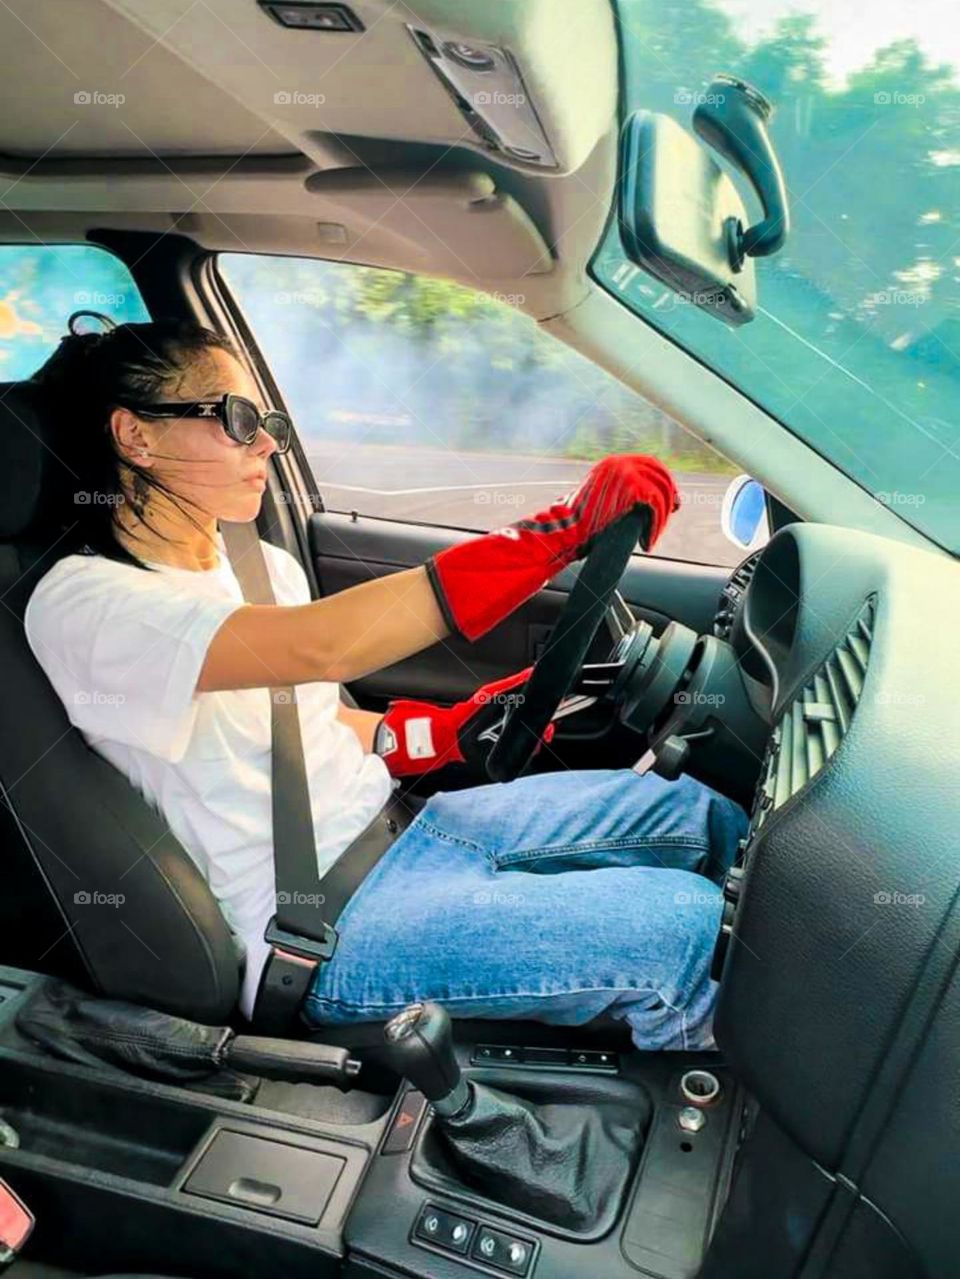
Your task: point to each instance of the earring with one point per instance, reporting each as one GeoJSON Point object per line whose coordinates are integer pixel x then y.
{"type": "Point", "coordinates": [138, 499]}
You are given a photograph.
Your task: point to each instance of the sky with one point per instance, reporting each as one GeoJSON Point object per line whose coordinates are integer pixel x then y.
{"type": "Point", "coordinates": [856, 28]}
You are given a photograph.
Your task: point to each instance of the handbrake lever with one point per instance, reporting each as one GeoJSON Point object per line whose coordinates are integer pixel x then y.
{"type": "Point", "coordinates": [293, 1060]}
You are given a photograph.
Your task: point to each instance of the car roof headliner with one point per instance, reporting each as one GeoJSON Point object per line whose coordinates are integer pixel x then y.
{"type": "Point", "coordinates": [383, 170]}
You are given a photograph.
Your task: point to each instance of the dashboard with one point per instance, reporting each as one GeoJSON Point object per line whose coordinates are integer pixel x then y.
{"type": "Point", "coordinates": [852, 864]}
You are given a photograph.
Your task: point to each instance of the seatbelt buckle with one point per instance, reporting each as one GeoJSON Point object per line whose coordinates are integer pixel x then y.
{"type": "Point", "coordinates": [16, 1225]}
{"type": "Point", "coordinates": [287, 977]}
{"type": "Point", "coordinates": [296, 946]}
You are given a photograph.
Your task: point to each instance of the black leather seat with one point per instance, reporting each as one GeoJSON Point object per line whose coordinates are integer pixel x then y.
{"type": "Point", "coordinates": [71, 824]}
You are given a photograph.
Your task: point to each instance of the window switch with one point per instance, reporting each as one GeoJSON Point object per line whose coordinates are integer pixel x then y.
{"type": "Point", "coordinates": [445, 1230]}
{"type": "Point", "coordinates": [503, 1252]}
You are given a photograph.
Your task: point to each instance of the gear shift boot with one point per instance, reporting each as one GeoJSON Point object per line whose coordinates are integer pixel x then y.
{"type": "Point", "coordinates": [566, 1163]}
{"type": "Point", "coordinates": [558, 1152]}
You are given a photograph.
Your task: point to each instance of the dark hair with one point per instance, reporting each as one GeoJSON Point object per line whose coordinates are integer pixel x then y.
{"type": "Point", "coordinates": [88, 376]}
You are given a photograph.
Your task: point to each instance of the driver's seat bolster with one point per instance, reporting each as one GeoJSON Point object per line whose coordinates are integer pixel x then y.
{"type": "Point", "coordinates": [96, 887]}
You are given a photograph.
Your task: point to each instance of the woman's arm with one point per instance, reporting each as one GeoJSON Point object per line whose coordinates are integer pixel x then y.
{"type": "Point", "coordinates": [363, 723]}
{"type": "Point", "coordinates": [340, 638]}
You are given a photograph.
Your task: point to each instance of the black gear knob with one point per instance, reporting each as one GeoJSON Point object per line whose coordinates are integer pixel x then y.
{"type": "Point", "coordinates": [420, 1042]}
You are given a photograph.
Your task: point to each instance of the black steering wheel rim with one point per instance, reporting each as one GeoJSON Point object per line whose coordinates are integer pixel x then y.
{"type": "Point", "coordinates": [558, 665]}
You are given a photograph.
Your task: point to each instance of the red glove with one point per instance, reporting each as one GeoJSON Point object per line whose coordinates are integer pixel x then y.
{"type": "Point", "coordinates": [418, 737]}
{"type": "Point", "coordinates": [480, 582]}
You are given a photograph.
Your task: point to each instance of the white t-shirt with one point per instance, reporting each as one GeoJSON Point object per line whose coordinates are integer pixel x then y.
{"type": "Point", "coordinates": [123, 648]}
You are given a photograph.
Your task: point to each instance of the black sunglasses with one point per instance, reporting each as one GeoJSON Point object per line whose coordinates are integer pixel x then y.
{"type": "Point", "coordinates": [239, 417]}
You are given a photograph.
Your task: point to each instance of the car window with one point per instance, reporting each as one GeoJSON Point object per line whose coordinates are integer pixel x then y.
{"type": "Point", "coordinates": [856, 343]}
{"type": "Point", "coordinates": [42, 284]}
{"type": "Point", "coordinates": [417, 399]}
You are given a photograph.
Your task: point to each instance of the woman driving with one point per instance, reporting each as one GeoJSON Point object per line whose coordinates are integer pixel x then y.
{"type": "Point", "coordinates": [558, 896]}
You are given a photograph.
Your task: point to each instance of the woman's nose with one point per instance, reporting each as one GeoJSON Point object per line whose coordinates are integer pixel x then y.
{"type": "Point", "coordinates": [264, 445]}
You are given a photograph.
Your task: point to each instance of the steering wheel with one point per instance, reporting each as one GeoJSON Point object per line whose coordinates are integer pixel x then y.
{"type": "Point", "coordinates": [560, 662]}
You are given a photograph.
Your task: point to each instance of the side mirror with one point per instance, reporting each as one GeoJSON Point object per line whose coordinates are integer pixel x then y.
{"type": "Point", "coordinates": [743, 516]}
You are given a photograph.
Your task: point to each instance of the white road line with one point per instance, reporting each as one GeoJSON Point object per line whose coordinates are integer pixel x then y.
{"type": "Point", "coordinates": [445, 488]}
{"type": "Point", "coordinates": [454, 488]}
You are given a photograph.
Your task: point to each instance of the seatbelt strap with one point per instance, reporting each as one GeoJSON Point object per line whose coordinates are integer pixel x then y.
{"type": "Point", "coordinates": [301, 915]}
{"type": "Point", "coordinates": [303, 930]}
{"type": "Point", "coordinates": [298, 934]}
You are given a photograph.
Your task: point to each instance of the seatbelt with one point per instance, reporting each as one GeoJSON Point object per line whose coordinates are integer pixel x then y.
{"type": "Point", "coordinates": [294, 842]}
{"type": "Point", "coordinates": [303, 932]}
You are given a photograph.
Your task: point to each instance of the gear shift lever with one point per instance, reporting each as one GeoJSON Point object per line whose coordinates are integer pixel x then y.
{"type": "Point", "coordinates": [421, 1048]}
{"type": "Point", "coordinates": [564, 1163]}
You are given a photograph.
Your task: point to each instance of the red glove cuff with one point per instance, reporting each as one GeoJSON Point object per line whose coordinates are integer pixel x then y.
{"type": "Point", "coordinates": [482, 581]}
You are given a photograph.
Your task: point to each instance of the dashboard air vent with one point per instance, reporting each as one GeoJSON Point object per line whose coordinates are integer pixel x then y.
{"type": "Point", "coordinates": [732, 596]}
{"type": "Point", "coordinates": [814, 724]}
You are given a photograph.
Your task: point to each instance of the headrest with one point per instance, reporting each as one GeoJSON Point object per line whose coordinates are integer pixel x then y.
{"type": "Point", "coordinates": [25, 460]}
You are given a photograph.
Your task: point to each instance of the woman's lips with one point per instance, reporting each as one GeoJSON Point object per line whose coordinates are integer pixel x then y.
{"type": "Point", "coordinates": [260, 480]}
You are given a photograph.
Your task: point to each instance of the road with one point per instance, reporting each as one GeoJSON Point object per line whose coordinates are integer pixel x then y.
{"type": "Point", "coordinates": [485, 490]}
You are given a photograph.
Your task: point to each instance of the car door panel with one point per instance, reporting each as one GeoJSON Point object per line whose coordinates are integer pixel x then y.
{"type": "Point", "coordinates": [348, 550]}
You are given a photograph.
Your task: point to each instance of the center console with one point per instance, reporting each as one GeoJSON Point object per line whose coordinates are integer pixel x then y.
{"type": "Point", "coordinates": [129, 1175]}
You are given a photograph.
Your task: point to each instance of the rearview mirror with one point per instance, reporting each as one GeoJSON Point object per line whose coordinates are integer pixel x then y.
{"type": "Point", "coordinates": [681, 217]}
{"type": "Point", "coordinates": [676, 207]}
{"type": "Point", "coordinates": [743, 516]}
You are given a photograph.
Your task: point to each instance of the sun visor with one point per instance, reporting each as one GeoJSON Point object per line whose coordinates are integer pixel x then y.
{"type": "Point", "coordinates": [449, 223]}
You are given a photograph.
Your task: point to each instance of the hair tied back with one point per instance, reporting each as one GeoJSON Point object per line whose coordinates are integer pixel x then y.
{"type": "Point", "coordinates": [107, 325]}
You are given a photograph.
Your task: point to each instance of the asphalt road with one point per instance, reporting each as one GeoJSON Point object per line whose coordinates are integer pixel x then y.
{"type": "Point", "coordinates": [485, 490]}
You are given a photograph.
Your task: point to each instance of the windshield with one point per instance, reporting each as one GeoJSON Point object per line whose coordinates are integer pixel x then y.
{"type": "Point", "coordinates": [856, 344]}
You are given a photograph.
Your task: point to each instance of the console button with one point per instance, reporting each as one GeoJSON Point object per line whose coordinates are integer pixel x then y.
{"type": "Point", "coordinates": [498, 1052]}
{"type": "Point", "coordinates": [503, 1252]}
{"type": "Point", "coordinates": [593, 1060]}
{"type": "Point", "coordinates": [445, 1229]}
{"type": "Point", "coordinates": [400, 1136]}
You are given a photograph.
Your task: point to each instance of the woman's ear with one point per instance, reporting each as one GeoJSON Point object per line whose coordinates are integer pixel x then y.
{"type": "Point", "coordinates": [130, 438]}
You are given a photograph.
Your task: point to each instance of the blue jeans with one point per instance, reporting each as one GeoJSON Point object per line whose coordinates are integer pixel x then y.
{"type": "Point", "coordinates": [555, 897]}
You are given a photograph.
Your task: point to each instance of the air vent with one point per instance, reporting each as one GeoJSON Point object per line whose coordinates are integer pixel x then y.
{"type": "Point", "coordinates": [815, 723]}
{"type": "Point", "coordinates": [732, 595]}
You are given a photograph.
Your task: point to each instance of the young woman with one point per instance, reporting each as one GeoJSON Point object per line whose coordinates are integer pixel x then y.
{"type": "Point", "coordinates": [558, 896]}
